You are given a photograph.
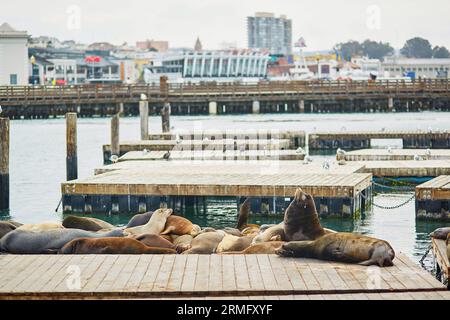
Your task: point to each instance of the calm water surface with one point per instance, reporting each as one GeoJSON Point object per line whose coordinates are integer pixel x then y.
{"type": "Point", "coordinates": [37, 164]}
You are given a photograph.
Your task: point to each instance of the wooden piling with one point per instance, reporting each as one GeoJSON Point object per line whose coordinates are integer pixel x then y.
{"type": "Point", "coordinates": [115, 144]}
{"type": "Point", "coordinates": [71, 142]}
{"type": "Point", "coordinates": [4, 164]}
{"type": "Point", "coordinates": [143, 112]}
{"type": "Point", "coordinates": [165, 117]}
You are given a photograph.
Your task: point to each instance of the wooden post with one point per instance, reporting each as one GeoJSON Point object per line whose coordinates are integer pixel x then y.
{"type": "Point", "coordinates": [165, 115]}
{"type": "Point", "coordinates": [4, 164]}
{"type": "Point", "coordinates": [302, 106]}
{"type": "Point", "coordinates": [71, 142]}
{"type": "Point", "coordinates": [115, 144]}
{"type": "Point", "coordinates": [143, 112]}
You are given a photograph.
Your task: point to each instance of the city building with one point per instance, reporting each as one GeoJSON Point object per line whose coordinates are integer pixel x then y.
{"type": "Point", "coordinates": [265, 31]}
{"type": "Point", "coordinates": [13, 56]}
{"type": "Point", "coordinates": [224, 66]}
{"type": "Point", "coordinates": [160, 46]}
{"type": "Point", "coordinates": [416, 68]}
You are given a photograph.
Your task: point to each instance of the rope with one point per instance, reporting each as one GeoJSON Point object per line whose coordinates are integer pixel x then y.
{"type": "Point", "coordinates": [391, 207]}
{"type": "Point", "coordinates": [400, 188]}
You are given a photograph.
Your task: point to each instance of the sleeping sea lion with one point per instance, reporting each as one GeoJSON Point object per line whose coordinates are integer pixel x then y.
{"type": "Point", "coordinates": [244, 212]}
{"type": "Point", "coordinates": [342, 247]}
{"type": "Point", "coordinates": [6, 227]}
{"type": "Point", "coordinates": [139, 220]}
{"type": "Point", "coordinates": [261, 248]}
{"type": "Point", "coordinates": [301, 221]}
{"type": "Point", "coordinates": [182, 243]}
{"type": "Point", "coordinates": [153, 240]}
{"type": "Point", "coordinates": [232, 231]}
{"type": "Point", "coordinates": [440, 233]}
{"type": "Point", "coordinates": [25, 242]}
{"type": "Point", "coordinates": [232, 243]}
{"type": "Point", "coordinates": [275, 233]}
{"type": "Point", "coordinates": [41, 227]}
{"type": "Point", "coordinates": [111, 246]}
{"type": "Point", "coordinates": [206, 243]}
{"type": "Point", "coordinates": [179, 226]}
{"type": "Point", "coordinates": [155, 225]}
{"type": "Point", "coordinates": [86, 223]}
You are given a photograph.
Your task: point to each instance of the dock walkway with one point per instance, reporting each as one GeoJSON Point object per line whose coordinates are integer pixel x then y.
{"type": "Point", "coordinates": [201, 276]}
{"type": "Point", "coordinates": [397, 154]}
{"type": "Point", "coordinates": [442, 260]}
{"type": "Point", "coordinates": [433, 199]}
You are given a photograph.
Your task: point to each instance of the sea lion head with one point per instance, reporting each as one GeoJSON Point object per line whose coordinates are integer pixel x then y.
{"type": "Point", "coordinates": [303, 200]}
{"type": "Point", "coordinates": [196, 230]}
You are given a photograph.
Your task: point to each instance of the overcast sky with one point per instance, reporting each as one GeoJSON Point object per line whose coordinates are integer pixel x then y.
{"type": "Point", "coordinates": [321, 22]}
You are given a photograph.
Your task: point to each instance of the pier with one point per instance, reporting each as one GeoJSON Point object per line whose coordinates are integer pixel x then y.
{"type": "Point", "coordinates": [225, 98]}
{"type": "Point", "coordinates": [442, 262]}
{"type": "Point", "coordinates": [433, 199]}
{"type": "Point", "coordinates": [397, 154]}
{"type": "Point", "coordinates": [204, 276]}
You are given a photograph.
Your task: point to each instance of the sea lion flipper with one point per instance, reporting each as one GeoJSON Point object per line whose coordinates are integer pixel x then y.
{"type": "Point", "coordinates": [367, 263]}
{"type": "Point", "coordinates": [168, 230]}
{"type": "Point", "coordinates": [244, 212]}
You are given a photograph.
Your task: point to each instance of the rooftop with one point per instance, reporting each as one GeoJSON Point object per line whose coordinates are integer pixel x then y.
{"type": "Point", "coordinates": [6, 31]}
{"type": "Point", "coordinates": [414, 61]}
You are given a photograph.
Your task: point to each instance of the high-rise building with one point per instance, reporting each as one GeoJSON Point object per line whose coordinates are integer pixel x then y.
{"type": "Point", "coordinates": [265, 31]}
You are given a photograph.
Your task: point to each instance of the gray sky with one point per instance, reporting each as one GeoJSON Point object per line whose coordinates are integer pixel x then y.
{"type": "Point", "coordinates": [321, 22]}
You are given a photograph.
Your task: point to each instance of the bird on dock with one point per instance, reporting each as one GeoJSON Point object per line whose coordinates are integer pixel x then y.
{"type": "Point", "coordinates": [143, 96]}
{"type": "Point", "coordinates": [383, 129]}
{"type": "Point", "coordinates": [307, 160]}
{"type": "Point", "coordinates": [430, 130]}
{"type": "Point", "coordinates": [417, 158]}
{"type": "Point", "coordinates": [145, 152]}
{"type": "Point", "coordinates": [166, 156]}
{"type": "Point", "coordinates": [114, 158]}
{"type": "Point", "coordinates": [340, 152]}
{"type": "Point", "coordinates": [326, 165]}
{"type": "Point", "coordinates": [300, 151]}
{"type": "Point", "coordinates": [389, 149]}
{"type": "Point", "coordinates": [178, 139]}
{"type": "Point", "coordinates": [428, 152]}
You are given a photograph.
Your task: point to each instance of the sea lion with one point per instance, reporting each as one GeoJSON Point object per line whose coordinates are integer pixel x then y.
{"type": "Point", "coordinates": [275, 233]}
{"type": "Point", "coordinates": [111, 246]}
{"type": "Point", "coordinates": [244, 212]}
{"type": "Point", "coordinates": [6, 227]}
{"type": "Point", "coordinates": [232, 231]}
{"type": "Point", "coordinates": [182, 243]}
{"type": "Point", "coordinates": [206, 243]}
{"type": "Point", "coordinates": [301, 221]}
{"type": "Point", "coordinates": [342, 247]}
{"type": "Point", "coordinates": [440, 233]}
{"type": "Point", "coordinates": [155, 225]}
{"type": "Point", "coordinates": [261, 248]}
{"type": "Point", "coordinates": [153, 240]}
{"type": "Point", "coordinates": [139, 220]}
{"type": "Point", "coordinates": [86, 223]}
{"type": "Point", "coordinates": [180, 226]}
{"type": "Point", "coordinates": [25, 242]}
{"type": "Point", "coordinates": [231, 243]}
{"type": "Point", "coordinates": [41, 227]}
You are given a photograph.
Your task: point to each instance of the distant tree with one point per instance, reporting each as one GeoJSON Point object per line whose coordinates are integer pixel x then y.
{"type": "Point", "coordinates": [349, 49]}
{"type": "Point", "coordinates": [441, 53]}
{"type": "Point", "coordinates": [417, 48]}
{"type": "Point", "coordinates": [376, 50]}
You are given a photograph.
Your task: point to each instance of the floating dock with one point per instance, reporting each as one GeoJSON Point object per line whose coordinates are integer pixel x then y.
{"type": "Point", "coordinates": [139, 186]}
{"type": "Point", "coordinates": [397, 154]}
{"type": "Point", "coordinates": [441, 260]}
{"type": "Point", "coordinates": [204, 276]}
{"type": "Point", "coordinates": [407, 168]}
{"type": "Point", "coordinates": [362, 140]}
{"type": "Point", "coordinates": [433, 199]}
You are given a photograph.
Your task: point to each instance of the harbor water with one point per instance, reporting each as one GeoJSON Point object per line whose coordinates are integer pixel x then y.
{"type": "Point", "coordinates": [37, 167]}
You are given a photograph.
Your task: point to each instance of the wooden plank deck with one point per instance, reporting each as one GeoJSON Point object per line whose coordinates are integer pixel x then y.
{"type": "Point", "coordinates": [200, 276]}
{"type": "Point", "coordinates": [407, 168]}
{"type": "Point", "coordinates": [397, 154]}
{"type": "Point", "coordinates": [436, 189]}
{"type": "Point", "coordinates": [442, 259]}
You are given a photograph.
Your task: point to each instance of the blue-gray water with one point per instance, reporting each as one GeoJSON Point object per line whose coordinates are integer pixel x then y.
{"type": "Point", "coordinates": [37, 166]}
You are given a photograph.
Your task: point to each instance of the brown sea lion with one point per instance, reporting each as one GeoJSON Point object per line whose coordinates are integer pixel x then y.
{"type": "Point", "coordinates": [261, 248]}
{"type": "Point", "coordinates": [275, 233]}
{"type": "Point", "coordinates": [182, 243]}
{"type": "Point", "coordinates": [342, 247]}
{"type": "Point", "coordinates": [206, 243]}
{"type": "Point", "coordinates": [232, 243]}
{"type": "Point", "coordinates": [111, 246]}
{"type": "Point", "coordinates": [301, 221]}
{"type": "Point", "coordinates": [440, 233]}
{"type": "Point", "coordinates": [153, 240]}
{"type": "Point", "coordinates": [233, 231]}
{"type": "Point", "coordinates": [155, 225]}
{"type": "Point", "coordinates": [86, 223]}
{"type": "Point", "coordinates": [41, 227]}
{"type": "Point", "coordinates": [244, 212]}
{"type": "Point", "coordinates": [6, 227]}
{"type": "Point", "coordinates": [180, 226]}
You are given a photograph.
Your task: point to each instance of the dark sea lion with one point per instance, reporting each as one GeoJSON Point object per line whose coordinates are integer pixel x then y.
{"type": "Point", "coordinates": [180, 226]}
{"type": "Point", "coordinates": [6, 227]}
{"type": "Point", "coordinates": [261, 248]}
{"type": "Point", "coordinates": [301, 221]}
{"type": "Point", "coordinates": [232, 243]}
{"type": "Point", "coordinates": [244, 212]}
{"type": "Point", "coordinates": [153, 240]}
{"type": "Point", "coordinates": [111, 246]}
{"type": "Point", "coordinates": [25, 242]}
{"type": "Point", "coordinates": [205, 243]}
{"type": "Point", "coordinates": [86, 223]}
{"type": "Point", "coordinates": [440, 233]}
{"type": "Point", "coordinates": [139, 220]}
{"type": "Point", "coordinates": [342, 247]}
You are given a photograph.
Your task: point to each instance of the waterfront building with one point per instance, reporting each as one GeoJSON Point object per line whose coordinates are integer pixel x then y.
{"type": "Point", "coordinates": [265, 31]}
{"type": "Point", "coordinates": [415, 68]}
{"type": "Point", "coordinates": [13, 56]}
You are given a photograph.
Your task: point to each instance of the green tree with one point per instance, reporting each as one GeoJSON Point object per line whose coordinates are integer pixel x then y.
{"type": "Point", "coordinates": [417, 48]}
{"type": "Point", "coordinates": [376, 50]}
{"type": "Point", "coordinates": [441, 53]}
{"type": "Point", "coordinates": [349, 49]}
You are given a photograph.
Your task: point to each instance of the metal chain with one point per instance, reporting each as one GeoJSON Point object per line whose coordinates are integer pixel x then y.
{"type": "Point", "coordinates": [424, 257]}
{"type": "Point", "coordinates": [390, 207]}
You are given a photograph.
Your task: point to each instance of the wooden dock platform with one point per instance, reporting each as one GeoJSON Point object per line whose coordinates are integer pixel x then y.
{"type": "Point", "coordinates": [348, 140]}
{"type": "Point", "coordinates": [201, 276]}
{"type": "Point", "coordinates": [136, 186]}
{"type": "Point", "coordinates": [397, 154]}
{"type": "Point", "coordinates": [407, 168]}
{"type": "Point", "coordinates": [433, 199]}
{"type": "Point", "coordinates": [442, 261]}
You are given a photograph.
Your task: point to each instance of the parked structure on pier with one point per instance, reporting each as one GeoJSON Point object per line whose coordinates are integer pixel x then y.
{"type": "Point", "coordinates": [424, 68]}
{"type": "Point", "coordinates": [13, 56]}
